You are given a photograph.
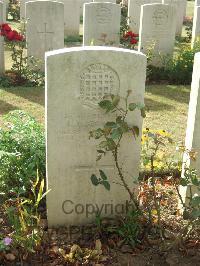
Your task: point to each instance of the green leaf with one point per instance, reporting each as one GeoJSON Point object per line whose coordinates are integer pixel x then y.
{"type": "Point", "coordinates": [183, 182]}
{"type": "Point", "coordinates": [140, 106]}
{"type": "Point", "coordinates": [97, 134]}
{"type": "Point", "coordinates": [106, 184]}
{"type": "Point", "coordinates": [132, 106]}
{"type": "Point", "coordinates": [103, 144]}
{"type": "Point", "coordinates": [195, 181]}
{"type": "Point", "coordinates": [116, 133]}
{"type": "Point", "coordinates": [94, 180]}
{"type": "Point", "coordinates": [111, 125]}
{"type": "Point", "coordinates": [111, 144]}
{"type": "Point", "coordinates": [195, 214]}
{"type": "Point", "coordinates": [195, 201]}
{"type": "Point", "coordinates": [136, 131]}
{"type": "Point", "coordinates": [143, 112]}
{"type": "Point", "coordinates": [99, 157]}
{"type": "Point", "coordinates": [107, 105]}
{"type": "Point", "coordinates": [119, 119]}
{"type": "Point", "coordinates": [103, 175]}
{"type": "Point", "coordinates": [124, 127]}
{"type": "Point", "coordinates": [116, 100]}
{"type": "Point", "coordinates": [101, 151]}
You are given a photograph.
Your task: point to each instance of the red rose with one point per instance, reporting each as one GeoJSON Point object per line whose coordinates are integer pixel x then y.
{"type": "Point", "coordinates": [5, 27]}
{"type": "Point", "coordinates": [133, 41]}
{"type": "Point", "coordinates": [130, 34]}
{"type": "Point", "coordinates": [10, 35]}
{"type": "Point", "coordinates": [19, 37]}
{"type": "Point", "coordinates": [135, 35]}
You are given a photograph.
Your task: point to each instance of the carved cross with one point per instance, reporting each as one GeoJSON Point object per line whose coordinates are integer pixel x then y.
{"type": "Point", "coordinates": [45, 34]}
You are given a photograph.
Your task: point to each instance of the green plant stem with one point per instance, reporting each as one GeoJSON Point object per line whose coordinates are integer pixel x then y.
{"type": "Point", "coordinates": [157, 206]}
{"type": "Point", "coordinates": [115, 155]}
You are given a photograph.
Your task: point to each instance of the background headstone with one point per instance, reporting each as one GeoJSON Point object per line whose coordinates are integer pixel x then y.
{"type": "Point", "coordinates": [86, 74]}
{"type": "Point", "coordinates": [82, 2]}
{"type": "Point", "coordinates": [103, 1]}
{"type": "Point", "coordinates": [101, 24]}
{"type": "Point", "coordinates": [22, 9]}
{"type": "Point", "coordinates": [157, 31]}
{"type": "Point", "coordinates": [45, 27]}
{"type": "Point", "coordinates": [197, 2]}
{"type": "Point", "coordinates": [71, 14]}
{"type": "Point", "coordinates": [1, 42]}
{"type": "Point", "coordinates": [5, 9]}
{"type": "Point", "coordinates": [192, 141]}
{"type": "Point", "coordinates": [180, 6]}
{"type": "Point", "coordinates": [71, 17]}
{"type": "Point", "coordinates": [134, 10]}
{"type": "Point", "coordinates": [196, 25]}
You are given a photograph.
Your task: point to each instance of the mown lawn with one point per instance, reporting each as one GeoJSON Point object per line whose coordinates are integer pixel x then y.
{"type": "Point", "coordinates": [167, 105]}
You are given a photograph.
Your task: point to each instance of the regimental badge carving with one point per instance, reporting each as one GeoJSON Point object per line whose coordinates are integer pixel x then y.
{"type": "Point", "coordinates": [103, 15]}
{"type": "Point", "coordinates": [160, 18]}
{"type": "Point", "coordinates": [98, 80]}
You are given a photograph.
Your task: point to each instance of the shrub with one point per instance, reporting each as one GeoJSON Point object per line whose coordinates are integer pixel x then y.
{"type": "Point", "coordinates": [24, 69]}
{"type": "Point", "coordinates": [22, 152]}
{"type": "Point", "coordinates": [178, 69]}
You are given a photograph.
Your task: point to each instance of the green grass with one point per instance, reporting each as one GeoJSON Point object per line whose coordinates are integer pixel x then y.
{"type": "Point", "coordinates": [28, 99]}
{"type": "Point", "coordinates": [168, 108]}
{"type": "Point", "coordinates": [168, 105]}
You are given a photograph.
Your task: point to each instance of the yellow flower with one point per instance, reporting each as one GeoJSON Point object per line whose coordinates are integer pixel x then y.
{"type": "Point", "coordinates": [144, 139]}
{"type": "Point", "coordinates": [163, 133]}
{"type": "Point", "coordinates": [146, 130]}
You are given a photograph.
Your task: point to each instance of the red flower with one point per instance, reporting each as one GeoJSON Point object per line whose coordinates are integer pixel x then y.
{"type": "Point", "coordinates": [135, 35]}
{"type": "Point", "coordinates": [5, 27]}
{"type": "Point", "coordinates": [19, 37]}
{"type": "Point", "coordinates": [130, 34]}
{"type": "Point", "coordinates": [9, 34]}
{"type": "Point", "coordinates": [133, 41]}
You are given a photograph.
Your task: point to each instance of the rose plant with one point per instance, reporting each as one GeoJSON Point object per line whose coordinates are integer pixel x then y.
{"type": "Point", "coordinates": [21, 73]}
{"type": "Point", "coordinates": [15, 41]}
{"type": "Point", "coordinates": [130, 39]}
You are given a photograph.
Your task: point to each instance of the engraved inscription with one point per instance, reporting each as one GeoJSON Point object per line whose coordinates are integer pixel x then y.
{"type": "Point", "coordinates": [160, 18]}
{"type": "Point", "coordinates": [103, 15]}
{"type": "Point", "coordinates": [96, 81]}
{"type": "Point", "coordinates": [89, 168]}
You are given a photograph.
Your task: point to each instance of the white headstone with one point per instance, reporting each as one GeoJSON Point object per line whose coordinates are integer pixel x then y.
{"type": "Point", "coordinates": [192, 141]}
{"type": "Point", "coordinates": [82, 2]}
{"type": "Point", "coordinates": [134, 9]}
{"type": "Point", "coordinates": [22, 9]}
{"type": "Point", "coordinates": [86, 74]}
{"type": "Point", "coordinates": [197, 2]}
{"type": "Point", "coordinates": [180, 6]}
{"type": "Point", "coordinates": [196, 25]}
{"type": "Point", "coordinates": [5, 9]}
{"type": "Point", "coordinates": [101, 24]}
{"type": "Point", "coordinates": [71, 16]}
{"type": "Point", "coordinates": [157, 30]}
{"type": "Point", "coordinates": [103, 1]}
{"type": "Point", "coordinates": [45, 27]}
{"type": "Point", "coordinates": [1, 42]}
